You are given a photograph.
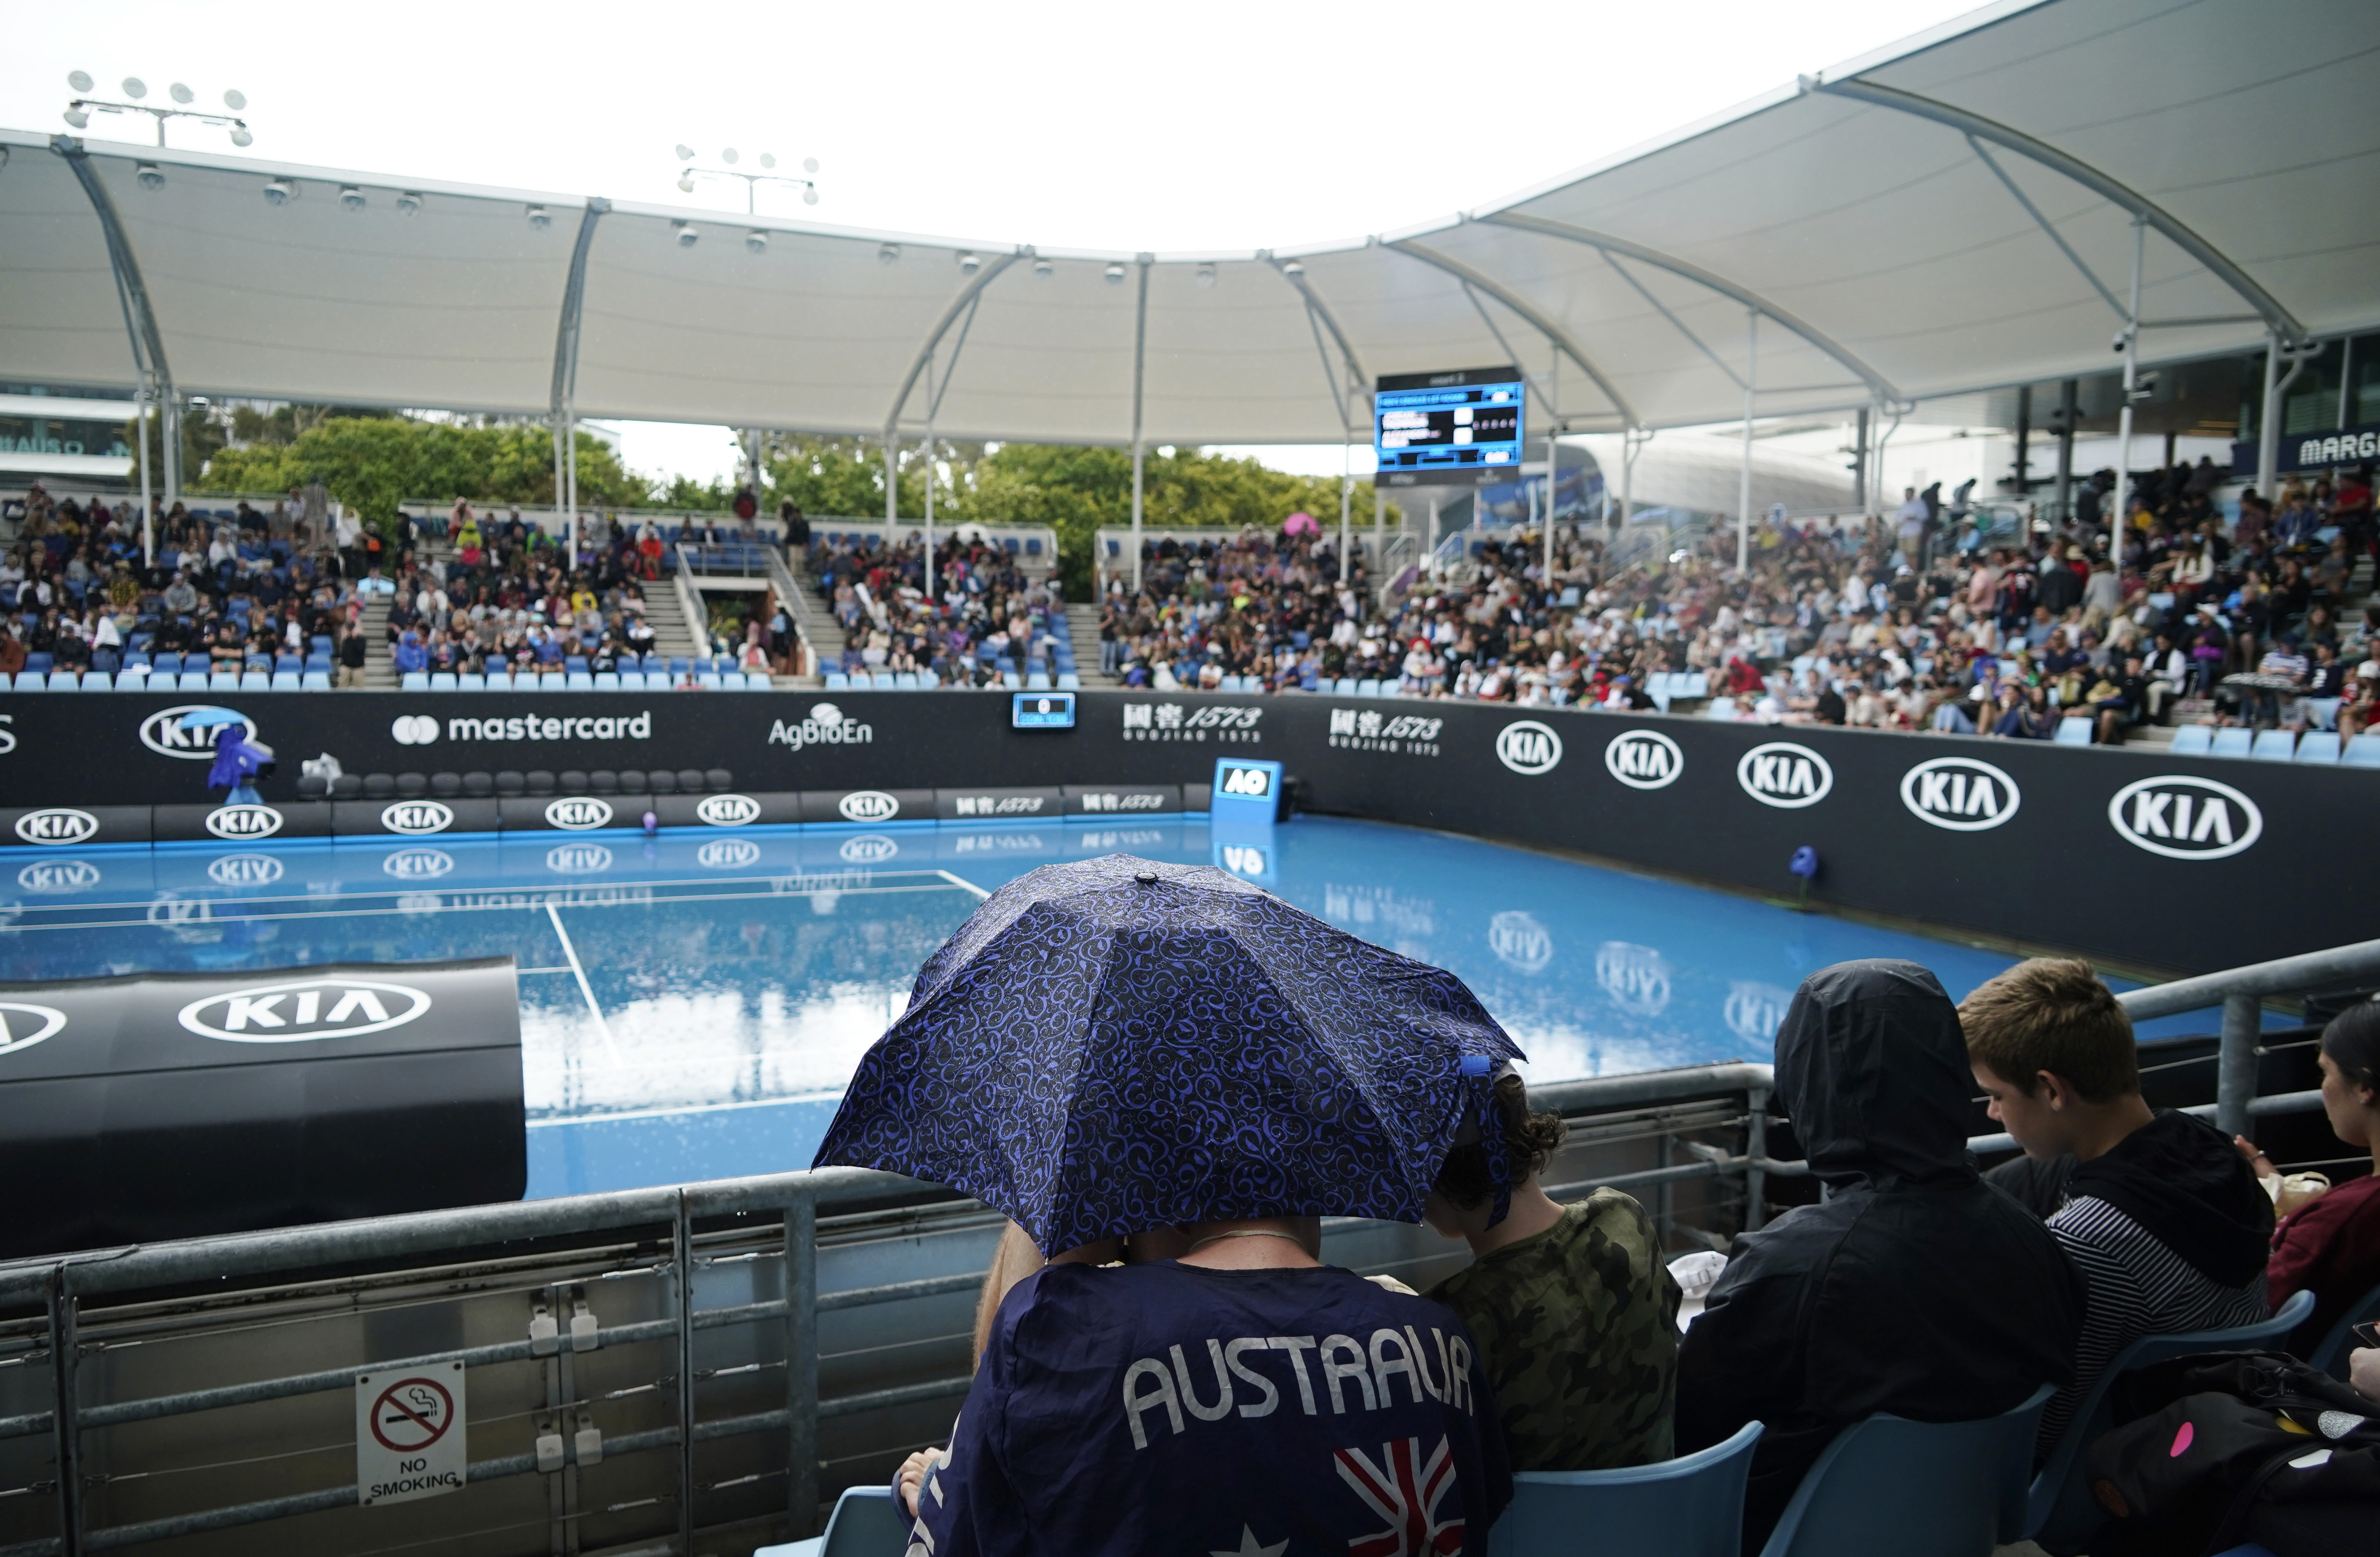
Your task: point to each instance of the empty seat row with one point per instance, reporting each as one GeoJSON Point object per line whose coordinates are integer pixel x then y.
{"type": "Point", "coordinates": [582, 681]}
{"type": "Point", "coordinates": [138, 678]}
{"type": "Point", "coordinates": [2315, 747]}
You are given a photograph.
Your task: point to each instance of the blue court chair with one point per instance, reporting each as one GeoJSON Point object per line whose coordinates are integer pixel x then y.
{"type": "Point", "coordinates": [2061, 1513]}
{"type": "Point", "coordinates": [1887, 1487]}
{"type": "Point", "coordinates": [2233, 740]}
{"type": "Point", "coordinates": [2192, 740]}
{"type": "Point", "coordinates": [2274, 746]}
{"type": "Point", "coordinates": [414, 681]}
{"type": "Point", "coordinates": [1691, 1506]}
{"type": "Point", "coordinates": [2074, 729]}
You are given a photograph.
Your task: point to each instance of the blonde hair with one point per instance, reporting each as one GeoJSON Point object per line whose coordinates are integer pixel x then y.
{"type": "Point", "coordinates": [1011, 1261]}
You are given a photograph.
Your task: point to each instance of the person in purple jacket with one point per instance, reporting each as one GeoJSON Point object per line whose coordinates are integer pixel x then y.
{"type": "Point", "coordinates": [1245, 1399]}
{"type": "Point", "coordinates": [238, 763]}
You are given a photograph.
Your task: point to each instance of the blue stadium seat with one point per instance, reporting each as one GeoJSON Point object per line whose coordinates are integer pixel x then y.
{"type": "Point", "coordinates": [1012, 681]}
{"type": "Point", "coordinates": [573, 665]}
{"type": "Point", "coordinates": [609, 680]}
{"type": "Point", "coordinates": [132, 678]}
{"type": "Point", "coordinates": [1691, 1506]}
{"type": "Point", "coordinates": [288, 662]}
{"type": "Point", "coordinates": [578, 681]}
{"type": "Point", "coordinates": [317, 680]}
{"type": "Point", "coordinates": [414, 681]}
{"type": "Point", "coordinates": [1369, 686]}
{"type": "Point", "coordinates": [2274, 746]}
{"type": "Point", "coordinates": [97, 681]}
{"type": "Point", "coordinates": [1886, 1485]}
{"type": "Point", "coordinates": [708, 680]}
{"type": "Point", "coordinates": [907, 681]}
{"type": "Point", "coordinates": [221, 681]}
{"type": "Point", "coordinates": [40, 664]}
{"type": "Point", "coordinates": [677, 665]}
{"type": "Point", "coordinates": [1038, 681]}
{"type": "Point", "coordinates": [318, 644]}
{"type": "Point", "coordinates": [442, 681]}
{"type": "Point", "coordinates": [2192, 740]}
{"type": "Point", "coordinates": [168, 664]}
{"type": "Point", "coordinates": [2233, 740]}
{"type": "Point", "coordinates": [32, 681]}
{"type": "Point", "coordinates": [837, 681]}
{"type": "Point", "coordinates": [2074, 729]}
{"type": "Point", "coordinates": [470, 681]}
{"type": "Point", "coordinates": [289, 681]}
{"type": "Point", "coordinates": [2060, 1513]}
{"type": "Point", "coordinates": [1069, 682]}
{"type": "Point", "coordinates": [190, 681]}
{"type": "Point", "coordinates": [1345, 686]}
{"type": "Point", "coordinates": [65, 681]}
{"type": "Point", "coordinates": [758, 681]}
{"type": "Point", "coordinates": [2364, 751]}
{"type": "Point", "coordinates": [2318, 749]}
{"type": "Point", "coordinates": [1032, 545]}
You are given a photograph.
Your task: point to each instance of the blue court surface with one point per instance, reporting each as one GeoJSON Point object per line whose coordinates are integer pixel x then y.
{"type": "Point", "coordinates": [693, 1006]}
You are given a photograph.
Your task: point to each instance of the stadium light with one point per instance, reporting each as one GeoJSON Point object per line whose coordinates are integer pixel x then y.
{"type": "Point", "coordinates": [540, 218]}
{"type": "Point", "coordinates": [686, 236]}
{"type": "Point", "coordinates": [888, 253]}
{"type": "Point", "coordinates": [1044, 269]}
{"type": "Point", "coordinates": [408, 202]}
{"type": "Point", "coordinates": [351, 198]}
{"type": "Point", "coordinates": [970, 262]}
{"type": "Point", "coordinates": [78, 112]}
{"type": "Point", "coordinates": [150, 176]}
{"type": "Point", "coordinates": [1206, 275]}
{"type": "Point", "coordinates": [279, 191]}
{"type": "Point", "coordinates": [1115, 275]}
{"type": "Point", "coordinates": [757, 241]}
{"type": "Point", "coordinates": [688, 174]}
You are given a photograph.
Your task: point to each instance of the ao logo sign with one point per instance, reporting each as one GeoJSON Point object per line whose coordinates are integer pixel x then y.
{"type": "Point", "coordinates": [162, 732]}
{"type": "Point", "coordinates": [728, 854]}
{"type": "Point", "coordinates": [2186, 818]}
{"type": "Point", "coordinates": [1960, 793]}
{"type": "Point", "coordinates": [1644, 760]}
{"type": "Point", "coordinates": [57, 824]}
{"type": "Point", "coordinates": [413, 729]}
{"type": "Point", "coordinates": [1780, 774]}
{"type": "Point", "coordinates": [417, 865]}
{"type": "Point", "coordinates": [576, 813]}
{"type": "Point", "coordinates": [305, 1010]}
{"type": "Point", "coordinates": [1518, 940]}
{"type": "Point", "coordinates": [728, 810]}
{"type": "Point", "coordinates": [1527, 746]}
{"type": "Point", "coordinates": [23, 1026]}
{"type": "Point", "coordinates": [242, 822]}
{"type": "Point", "coordinates": [869, 848]}
{"type": "Point", "coordinates": [868, 805]}
{"type": "Point", "coordinates": [1253, 782]}
{"type": "Point", "coordinates": [244, 870]}
{"type": "Point", "coordinates": [416, 817]}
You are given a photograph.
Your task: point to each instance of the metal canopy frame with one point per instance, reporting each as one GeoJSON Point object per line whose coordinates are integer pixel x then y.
{"type": "Point", "coordinates": [1609, 246]}
{"type": "Point", "coordinates": [962, 306]}
{"type": "Point", "coordinates": [148, 342]}
{"type": "Point", "coordinates": [565, 372]}
{"type": "Point", "coordinates": [1976, 126]}
{"type": "Point", "coordinates": [1528, 312]}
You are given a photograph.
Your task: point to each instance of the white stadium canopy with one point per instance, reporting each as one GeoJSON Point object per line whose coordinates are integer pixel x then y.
{"type": "Point", "coordinates": [1954, 212]}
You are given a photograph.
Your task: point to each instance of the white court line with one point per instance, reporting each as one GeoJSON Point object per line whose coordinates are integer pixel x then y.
{"type": "Point", "coordinates": [962, 882]}
{"type": "Point", "coordinates": [586, 989]}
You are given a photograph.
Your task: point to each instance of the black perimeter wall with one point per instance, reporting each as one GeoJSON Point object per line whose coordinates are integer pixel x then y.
{"type": "Point", "coordinates": [2063, 869]}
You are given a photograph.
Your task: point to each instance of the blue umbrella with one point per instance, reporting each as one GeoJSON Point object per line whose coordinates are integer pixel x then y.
{"type": "Point", "coordinates": [1110, 1045]}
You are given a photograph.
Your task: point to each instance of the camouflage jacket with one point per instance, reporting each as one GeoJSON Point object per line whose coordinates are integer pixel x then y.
{"type": "Point", "coordinates": [1578, 1332]}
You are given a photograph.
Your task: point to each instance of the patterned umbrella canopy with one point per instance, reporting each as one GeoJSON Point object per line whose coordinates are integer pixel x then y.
{"type": "Point", "coordinates": [1112, 1044]}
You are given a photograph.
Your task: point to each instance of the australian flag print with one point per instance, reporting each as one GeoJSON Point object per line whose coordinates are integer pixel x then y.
{"type": "Point", "coordinates": [1405, 1490]}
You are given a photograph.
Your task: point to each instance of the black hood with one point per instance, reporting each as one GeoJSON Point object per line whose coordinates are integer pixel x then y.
{"type": "Point", "coordinates": [1873, 1070]}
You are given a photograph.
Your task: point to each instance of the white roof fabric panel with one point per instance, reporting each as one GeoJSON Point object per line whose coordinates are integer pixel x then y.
{"type": "Point", "coordinates": [1887, 258]}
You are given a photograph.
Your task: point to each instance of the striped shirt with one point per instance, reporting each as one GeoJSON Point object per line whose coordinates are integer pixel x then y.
{"type": "Point", "coordinates": [2135, 1286]}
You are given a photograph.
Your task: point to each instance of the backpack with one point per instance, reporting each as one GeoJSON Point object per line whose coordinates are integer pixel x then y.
{"type": "Point", "coordinates": [2211, 1441]}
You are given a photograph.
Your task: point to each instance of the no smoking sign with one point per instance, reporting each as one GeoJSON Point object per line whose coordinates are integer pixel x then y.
{"type": "Point", "coordinates": [409, 1434]}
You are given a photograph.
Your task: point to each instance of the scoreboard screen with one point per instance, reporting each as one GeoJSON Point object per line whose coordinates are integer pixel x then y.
{"type": "Point", "coordinates": [1458, 427]}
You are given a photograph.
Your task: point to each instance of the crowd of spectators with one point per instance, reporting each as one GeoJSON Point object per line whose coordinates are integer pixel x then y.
{"type": "Point", "coordinates": [982, 612]}
{"type": "Point", "coordinates": [1917, 622]}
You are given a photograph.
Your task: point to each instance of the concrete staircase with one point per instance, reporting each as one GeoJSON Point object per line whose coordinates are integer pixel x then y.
{"type": "Point", "coordinates": [1084, 622]}
{"type": "Point", "coordinates": [380, 658]}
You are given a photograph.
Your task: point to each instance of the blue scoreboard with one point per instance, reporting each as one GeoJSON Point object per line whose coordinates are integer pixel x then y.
{"type": "Point", "coordinates": [1463, 427]}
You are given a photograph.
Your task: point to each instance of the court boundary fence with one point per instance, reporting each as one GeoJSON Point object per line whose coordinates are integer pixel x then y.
{"type": "Point", "coordinates": [52, 1291]}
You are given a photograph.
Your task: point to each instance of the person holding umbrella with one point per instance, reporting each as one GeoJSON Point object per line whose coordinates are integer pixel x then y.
{"type": "Point", "coordinates": [240, 760]}
{"type": "Point", "coordinates": [1113, 1046]}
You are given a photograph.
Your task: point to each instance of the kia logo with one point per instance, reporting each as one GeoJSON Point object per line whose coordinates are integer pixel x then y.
{"type": "Point", "coordinates": [2186, 818]}
{"type": "Point", "coordinates": [241, 822]}
{"type": "Point", "coordinates": [1636, 978]}
{"type": "Point", "coordinates": [728, 854]}
{"type": "Point", "coordinates": [414, 817]}
{"type": "Point", "coordinates": [1960, 793]}
{"type": "Point", "coordinates": [413, 729]}
{"type": "Point", "coordinates": [304, 1010]}
{"type": "Point", "coordinates": [728, 810]}
{"type": "Point", "coordinates": [1518, 939]}
{"type": "Point", "coordinates": [1644, 760]}
{"type": "Point", "coordinates": [1527, 746]}
{"type": "Point", "coordinates": [57, 824]}
{"type": "Point", "coordinates": [23, 1026]}
{"type": "Point", "coordinates": [576, 813]}
{"type": "Point", "coordinates": [162, 732]}
{"type": "Point", "coordinates": [1780, 774]}
{"type": "Point", "coordinates": [59, 875]}
{"type": "Point", "coordinates": [578, 859]}
{"type": "Point", "coordinates": [417, 865]}
{"type": "Point", "coordinates": [1755, 1011]}
{"type": "Point", "coordinates": [868, 805]}
{"type": "Point", "coordinates": [869, 848]}
{"type": "Point", "coordinates": [244, 870]}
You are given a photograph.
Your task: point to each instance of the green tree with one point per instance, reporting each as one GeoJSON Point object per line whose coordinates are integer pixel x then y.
{"type": "Point", "coordinates": [373, 463]}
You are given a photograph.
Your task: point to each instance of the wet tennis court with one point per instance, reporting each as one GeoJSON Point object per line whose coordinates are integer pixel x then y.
{"type": "Point", "coordinates": [693, 1004]}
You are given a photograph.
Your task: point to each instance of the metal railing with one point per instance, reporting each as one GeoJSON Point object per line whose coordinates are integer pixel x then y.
{"type": "Point", "coordinates": [80, 1313]}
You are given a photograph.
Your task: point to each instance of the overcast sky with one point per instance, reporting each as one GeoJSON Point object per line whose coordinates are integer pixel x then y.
{"type": "Point", "coordinates": [1220, 125]}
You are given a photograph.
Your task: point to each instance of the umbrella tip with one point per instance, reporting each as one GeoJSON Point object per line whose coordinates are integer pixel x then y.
{"type": "Point", "coordinates": [1145, 878]}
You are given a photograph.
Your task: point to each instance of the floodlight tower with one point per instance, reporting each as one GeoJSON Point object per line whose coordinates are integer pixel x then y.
{"type": "Point", "coordinates": [79, 111]}
{"type": "Point", "coordinates": [688, 173]}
